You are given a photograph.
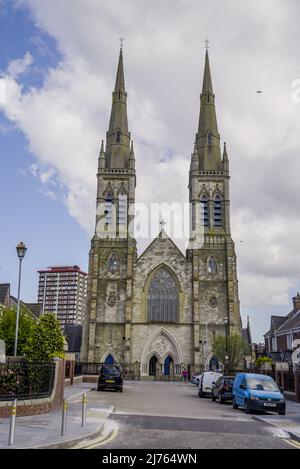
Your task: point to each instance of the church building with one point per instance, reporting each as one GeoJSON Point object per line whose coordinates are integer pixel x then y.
{"type": "Point", "coordinates": [161, 311]}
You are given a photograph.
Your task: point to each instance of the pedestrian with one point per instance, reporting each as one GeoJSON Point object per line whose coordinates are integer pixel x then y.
{"type": "Point", "coordinates": [184, 375]}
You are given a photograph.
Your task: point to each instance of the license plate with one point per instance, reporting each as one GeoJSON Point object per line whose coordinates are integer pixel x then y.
{"type": "Point", "coordinates": [267, 404]}
{"type": "Point", "coordinates": [109, 380]}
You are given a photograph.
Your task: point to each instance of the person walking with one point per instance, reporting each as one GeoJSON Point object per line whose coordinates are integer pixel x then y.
{"type": "Point", "coordinates": [184, 375]}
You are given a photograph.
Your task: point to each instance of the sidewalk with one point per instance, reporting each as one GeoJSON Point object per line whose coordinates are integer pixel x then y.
{"type": "Point", "coordinates": [43, 431]}
{"type": "Point", "coordinates": [289, 422]}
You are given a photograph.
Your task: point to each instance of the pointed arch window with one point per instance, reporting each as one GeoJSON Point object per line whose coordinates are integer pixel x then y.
{"type": "Point", "coordinates": [113, 263]}
{"type": "Point", "coordinates": [218, 211]}
{"type": "Point", "coordinates": [212, 265]}
{"type": "Point", "coordinates": [122, 218]}
{"type": "Point", "coordinates": [163, 297]}
{"type": "Point", "coordinates": [204, 215]}
{"type": "Point", "coordinates": [108, 208]}
{"type": "Point", "coordinates": [118, 136]}
{"type": "Point", "coordinates": [209, 139]}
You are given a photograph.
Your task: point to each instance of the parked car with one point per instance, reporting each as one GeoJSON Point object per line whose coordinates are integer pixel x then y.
{"type": "Point", "coordinates": [195, 379]}
{"type": "Point", "coordinates": [110, 377]}
{"type": "Point", "coordinates": [257, 392]}
{"type": "Point", "coordinates": [222, 389]}
{"type": "Point", "coordinates": [205, 382]}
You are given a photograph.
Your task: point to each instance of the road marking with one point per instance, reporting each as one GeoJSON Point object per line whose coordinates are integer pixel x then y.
{"type": "Point", "coordinates": [293, 443]}
{"type": "Point", "coordinates": [100, 442]}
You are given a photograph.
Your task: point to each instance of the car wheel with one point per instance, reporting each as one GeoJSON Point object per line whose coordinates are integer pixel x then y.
{"type": "Point", "coordinates": [247, 407]}
{"type": "Point", "coordinates": [200, 393]}
{"type": "Point", "coordinates": [213, 398]}
{"type": "Point", "coordinates": [234, 404]}
{"type": "Point", "coordinates": [281, 413]}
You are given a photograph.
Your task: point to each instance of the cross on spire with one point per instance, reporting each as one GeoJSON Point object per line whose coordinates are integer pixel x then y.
{"type": "Point", "coordinates": [122, 39]}
{"type": "Point", "coordinates": [162, 223]}
{"type": "Point", "coordinates": [207, 44]}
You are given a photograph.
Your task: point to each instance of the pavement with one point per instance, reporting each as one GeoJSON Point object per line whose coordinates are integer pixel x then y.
{"type": "Point", "coordinates": [43, 431]}
{"type": "Point", "coordinates": [289, 422]}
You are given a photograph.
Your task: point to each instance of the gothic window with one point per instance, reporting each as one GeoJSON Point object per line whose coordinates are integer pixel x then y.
{"type": "Point", "coordinates": [108, 209]}
{"type": "Point", "coordinates": [113, 263]}
{"type": "Point", "coordinates": [209, 139]}
{"type": "Point", "coordinates": [204, 216]}
{"type": "Point", "coordinates": [212, 265]}
{"type": "Point", "coordinates": [122, 209]}
{"type": "Point", "coordinates": [163, 297]}
{"type": "Point", "coordinates": [118, 136]}
{"type": "Point", "coordinates": [218, 215]}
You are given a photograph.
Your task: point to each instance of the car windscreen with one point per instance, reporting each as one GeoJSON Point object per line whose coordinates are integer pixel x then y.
{"type": "Point", "coordinates": [257, 384]}
{"type": "Point", "coordinates": [229, 381]}
{"type": "Point", "coordinates": [110, 370]}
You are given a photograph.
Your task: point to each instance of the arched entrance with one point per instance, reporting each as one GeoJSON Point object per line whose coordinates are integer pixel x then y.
{"type": "Point", "coordinates": [168, 366]}
{"type": "Point", "coordinates": [214, 364]}
{"type": "Point", "coordinates": [109, 360]}
{"type": "Point", "coordinates": [153, 366]}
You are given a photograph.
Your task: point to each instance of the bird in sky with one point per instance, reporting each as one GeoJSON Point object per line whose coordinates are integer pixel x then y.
{"type": "Point", "coordinates": [259, 92]}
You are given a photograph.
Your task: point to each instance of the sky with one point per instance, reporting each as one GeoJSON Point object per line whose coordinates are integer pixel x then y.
{"type": "Point", "coordinates": [58, 61]}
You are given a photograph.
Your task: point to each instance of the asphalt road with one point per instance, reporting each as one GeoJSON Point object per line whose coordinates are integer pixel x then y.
{"type": "Point", "coordinates": [156, 415]}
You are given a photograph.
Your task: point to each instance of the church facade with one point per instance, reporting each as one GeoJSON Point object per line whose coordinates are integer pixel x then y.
{"type": "Point", "coordinates": [160, 312]}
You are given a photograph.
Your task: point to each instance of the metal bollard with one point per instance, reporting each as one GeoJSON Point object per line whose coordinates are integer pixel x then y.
{"type": "Point", "coordinates": [64, 417]}
{"type": "Point", "coordinates": [12, 423]}
{"type": "Point", "coordinates": [84, 405]}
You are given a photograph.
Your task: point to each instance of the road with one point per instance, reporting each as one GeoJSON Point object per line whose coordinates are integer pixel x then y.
{"type": "Point", "coordinates": [163, 415]}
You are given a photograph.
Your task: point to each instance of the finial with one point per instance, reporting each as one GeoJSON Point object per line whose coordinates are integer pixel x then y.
{"type": "Point", "coordinates": [162, 224]}
{"type": "Point", "coordinates": [121, 42]}
{"type": "Point", "coordinates": [206, 44]}
{"type": "Point", "coordinates": [102, 146]}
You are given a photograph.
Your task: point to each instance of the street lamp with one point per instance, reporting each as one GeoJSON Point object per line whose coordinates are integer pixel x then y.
{"type": "Point", "coordinates": [226, 342]}
{"type": "Point", "coordinates": [21, 251]}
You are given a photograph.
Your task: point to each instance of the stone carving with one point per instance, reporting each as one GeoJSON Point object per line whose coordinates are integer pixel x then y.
{"type": "Point", "coordinates": [213, 302]}
{"type": "Point", "coordinates": [162, 346]}
{"type": "Point", "coordinates": [111, 294]}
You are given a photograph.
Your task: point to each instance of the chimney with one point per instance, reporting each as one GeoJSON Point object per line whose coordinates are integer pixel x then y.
{"type": "Point", "coordinates": [296, 301]}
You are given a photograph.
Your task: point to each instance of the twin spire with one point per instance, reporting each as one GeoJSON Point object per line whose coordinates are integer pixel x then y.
{"type": "Point", "coordinates": [118, 152]}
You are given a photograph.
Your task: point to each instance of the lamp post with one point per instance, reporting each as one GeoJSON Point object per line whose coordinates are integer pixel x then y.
{"type": "Point", "coordinates": [226, 342]}
{"type": "Point", "coordinates": [21, 251]}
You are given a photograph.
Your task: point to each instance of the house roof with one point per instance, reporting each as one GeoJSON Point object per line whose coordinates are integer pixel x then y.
{"type": "Point", "coordinates": [292, 322]}
{"type": "Point", "coordinates": [4, 292]}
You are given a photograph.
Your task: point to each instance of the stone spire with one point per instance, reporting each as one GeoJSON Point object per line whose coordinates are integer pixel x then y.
{"type": "Point", "coordinates": [208, 138]}
{"type": "Point", "coordinates": [118, 136]}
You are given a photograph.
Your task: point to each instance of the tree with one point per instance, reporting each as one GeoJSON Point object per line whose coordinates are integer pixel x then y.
{"type": "Point", "coordinates": [8, 329]}
{"type": "Point", "coordinates": [236, 350]}
{"type": "Point", "coordinates": [261, 361]}
{"type": "Point", "coordinates": [46, 340]}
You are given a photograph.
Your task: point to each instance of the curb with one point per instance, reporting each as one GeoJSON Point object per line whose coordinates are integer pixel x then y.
{"type": "Point", "coordinates": [292, 435]}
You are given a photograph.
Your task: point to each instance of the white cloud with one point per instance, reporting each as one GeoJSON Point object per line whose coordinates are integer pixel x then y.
{"type": "Point", "coordinates": [17, 67]}
{"type": "Point", "coordinates": [66, 119]}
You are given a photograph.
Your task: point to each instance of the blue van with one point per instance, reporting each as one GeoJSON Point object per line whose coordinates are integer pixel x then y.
{"type": "Point", "coordinates": [257, 392]}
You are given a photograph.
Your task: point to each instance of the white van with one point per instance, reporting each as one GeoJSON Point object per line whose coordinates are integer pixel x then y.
{"type": "Point", "coordinates": [205, 382]}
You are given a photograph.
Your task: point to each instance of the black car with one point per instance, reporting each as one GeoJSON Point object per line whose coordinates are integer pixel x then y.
{"type": "Point", "coordinates": [222, 389]}
{"type": "Point", "coordinates": [110, 377]}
